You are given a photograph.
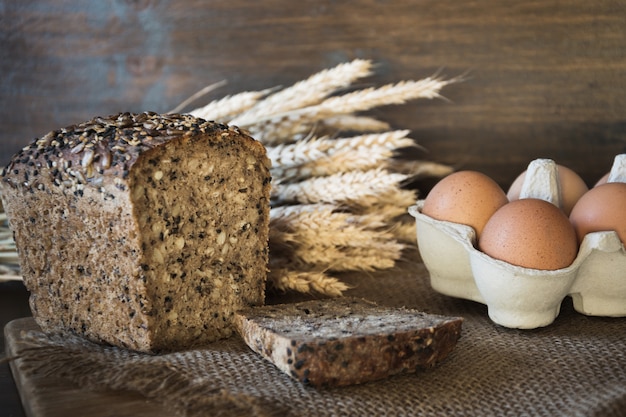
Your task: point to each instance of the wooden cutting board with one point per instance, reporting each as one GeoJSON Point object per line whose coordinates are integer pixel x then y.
{"type": "Point", "coordinates": [55, 397]}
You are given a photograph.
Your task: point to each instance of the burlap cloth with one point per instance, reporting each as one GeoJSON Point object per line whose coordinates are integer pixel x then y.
{"type": "Point", "coordinates": [574, 367]}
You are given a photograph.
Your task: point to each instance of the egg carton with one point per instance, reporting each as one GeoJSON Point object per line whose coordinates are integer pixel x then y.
{"type": "Point", "coordinates": [525, 298]}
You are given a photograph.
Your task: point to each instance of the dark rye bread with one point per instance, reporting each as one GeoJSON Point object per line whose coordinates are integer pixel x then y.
{"type": "Point", "coordinates": [346, 341]}
{"type": "Point", "coordinates": [143, 231]}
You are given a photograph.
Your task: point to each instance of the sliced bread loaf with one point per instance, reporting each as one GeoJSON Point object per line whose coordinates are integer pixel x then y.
{"type": "Point", "coordinates": [144, 231]}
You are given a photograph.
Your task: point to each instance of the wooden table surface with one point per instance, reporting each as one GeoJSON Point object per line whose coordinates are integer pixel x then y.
{"type": "Point", "coordinates": [13, 305]}
{"type": "Point", "coordinates": [543, 78]}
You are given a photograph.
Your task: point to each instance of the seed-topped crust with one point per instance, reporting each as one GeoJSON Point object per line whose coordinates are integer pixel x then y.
{"type": "Point", "coordinates": [100, 152]}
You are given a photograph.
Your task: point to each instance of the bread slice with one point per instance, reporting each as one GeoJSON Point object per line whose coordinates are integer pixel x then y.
{"type": "Point", "coordinates": [346, 341]}
{"type": "Point", "coordinates": [144, 231]}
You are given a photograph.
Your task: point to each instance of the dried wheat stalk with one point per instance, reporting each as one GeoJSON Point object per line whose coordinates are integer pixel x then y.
{"type": "Point", "coordinates": [419, 168]}
{"type": "Point", "coordinates": [281, 127]}
{"type": "Point", "coordinates": [350, 188]}
{"type": "Point", "coordinates": [324, 156]}
{"type": "Point", "coordinates": [9, 266]}
{"type": "Point", "coordinates": [305, 93]}
{"type": "Point", "coordinates": [229, 106]}
{"type": "Point", "coordinates": [338, 203]}
{"type": "Point", "coordinates": [351, 123]}
{"type": "Point", "coordinates": [344, 229]}
{"type": "Point", "coordinates": [286, 279]}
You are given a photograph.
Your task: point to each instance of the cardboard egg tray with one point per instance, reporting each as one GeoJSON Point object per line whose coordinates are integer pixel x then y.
{"type": "Point", "coordinates": [518, 297]}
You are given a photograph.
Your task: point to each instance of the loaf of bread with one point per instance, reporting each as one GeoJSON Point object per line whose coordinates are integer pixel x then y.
{"type": "Point", "coordinates": [346, 341]}
{"type": "Point", "coordinates": [143, 231]}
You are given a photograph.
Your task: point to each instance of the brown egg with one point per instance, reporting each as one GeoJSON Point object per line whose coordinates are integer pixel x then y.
{"type": "Point", "coordinates": [531, 233]}
{"type": "Point", "coordinates": [466, 197]}
{"type": "Point", "coordinates": [572, 187]}
{"type": "Point", "coordinates": [602, 208]}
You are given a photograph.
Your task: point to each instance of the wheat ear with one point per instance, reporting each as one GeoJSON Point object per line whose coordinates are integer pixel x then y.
{"type": "Point", "coordinates": [307, 92]}
{"type": "Point", "coordinates": [352, 123]}
{"type": "Point", "coordinates": [344, 188]}
{"type": "Point", "coordinates": [369, 98]}
{"type": "Point", "coordinates": [283, 212]}
{"type": "Point", "coordinates": [284, 279]}
{"type": "Point", "coordinates": [309, 150]}
{"type": "Point", "coordinates": [223, 109]}
{"type": "Point", "coordinates": [393, 202]}
{"type": "Point", "coordinates": [392, 140]}
{"type": "Point", "coordinates": [358, 160]}
{"type": "Point", "coordinates": [324, 157]}
{"type": "Point", "coordinates": [292, 218]}
{"type": "Point", "coordinates": [293, 224]}
{"type": "Point", "coordinates": [377, 256]}
{"type": "Point", "coordinates": [419, 168]}
{"type": "Point", "coordinates": [307, 224]}
{"type": "Point", "coordinates": [280, 128]}
{"type": "Point", "coordinates": [332, 229]}
{"type": "Point", "coordinates": [319, 236]}
{"type": "Point", "coordinates": [380, 254]}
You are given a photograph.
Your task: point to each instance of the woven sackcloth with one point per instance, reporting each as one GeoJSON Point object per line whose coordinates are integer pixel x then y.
{"type": "Point", "coordinates": [574, 367]}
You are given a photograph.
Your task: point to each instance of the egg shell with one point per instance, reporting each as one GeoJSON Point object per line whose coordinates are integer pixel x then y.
{"type": "Point", "coordinates": [531, 233]}
{"type": "Point", "coordinates": [571, 186]}
{"type": "Point", "coordinates": [465, 197]}
{"type": "Point", "coordinates": [603, 208]}
{"type": "Point", "coordinates": [519, 297]}
{"type": "Point", "coordinates": [617, 172]}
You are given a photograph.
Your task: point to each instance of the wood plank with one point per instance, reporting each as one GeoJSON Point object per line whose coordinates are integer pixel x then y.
{"type": "Point", "coordinates": [56, 397]}
{"type": "Point", "coordinates": [545, 79]}
{"type": "Point", "coordinates": [13, 305]}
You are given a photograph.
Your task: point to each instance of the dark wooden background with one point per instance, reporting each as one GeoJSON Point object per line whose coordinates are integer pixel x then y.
{"type": "Point", "coordinates": [545, 78]}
